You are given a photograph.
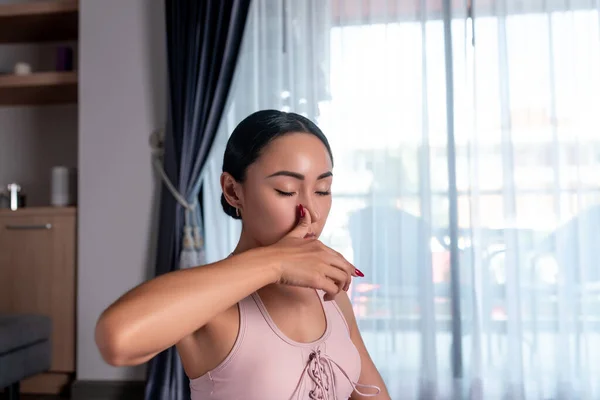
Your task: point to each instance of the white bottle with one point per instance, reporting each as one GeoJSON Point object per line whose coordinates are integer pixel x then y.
{"type": "Point", "coordinates": [60, 193]}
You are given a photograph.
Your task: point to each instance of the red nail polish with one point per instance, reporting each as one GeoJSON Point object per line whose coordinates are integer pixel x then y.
{"type": "Point", "coordinates": [301, 210]}
{"type": "Point", "coordinates": [358, 272]}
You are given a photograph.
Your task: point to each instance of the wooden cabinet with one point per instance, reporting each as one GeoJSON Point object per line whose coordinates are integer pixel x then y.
{"type": "Point", "coordinates": [38, 275]}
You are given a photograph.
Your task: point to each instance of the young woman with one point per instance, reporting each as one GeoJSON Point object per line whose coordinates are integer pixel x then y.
{"type": "Point", "coordinates": [273, 320]}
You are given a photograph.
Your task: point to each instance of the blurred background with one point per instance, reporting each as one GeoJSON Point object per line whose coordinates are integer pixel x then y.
{"type": "Point", "coordinates": [466, 140]}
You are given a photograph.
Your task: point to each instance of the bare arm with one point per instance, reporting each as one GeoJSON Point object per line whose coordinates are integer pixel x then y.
{"type": "Point", "coordinates": [159, 313]}
{"type": "Point", "coordinates": [369, 374]}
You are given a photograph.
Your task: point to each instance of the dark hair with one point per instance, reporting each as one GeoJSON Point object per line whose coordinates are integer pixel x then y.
{"type": "Point", "coordinates": [255, 132]}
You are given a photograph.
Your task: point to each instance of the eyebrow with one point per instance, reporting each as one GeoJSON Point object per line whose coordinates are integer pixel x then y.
{"type": "Point", "coordinates": [299, 176]}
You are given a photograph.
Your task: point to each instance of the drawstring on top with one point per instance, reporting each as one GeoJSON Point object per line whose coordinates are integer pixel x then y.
{"type": "Point", "coordinates": [320, 370]}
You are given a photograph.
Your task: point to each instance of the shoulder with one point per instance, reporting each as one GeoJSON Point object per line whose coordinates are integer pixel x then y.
{"type": "Point", "coordinates": [343, 302]}
{"type": "Point", "coordinates": [207, 347]}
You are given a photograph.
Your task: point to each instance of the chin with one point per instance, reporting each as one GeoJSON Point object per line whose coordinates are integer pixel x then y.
{"type": "Point", "coordinates": [269, 241]}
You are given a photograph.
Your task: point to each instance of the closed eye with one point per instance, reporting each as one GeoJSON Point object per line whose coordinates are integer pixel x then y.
{"type": "Point", "coordinates": [289, 194]}
{"type": "Point", "coordinates": [282, 193]}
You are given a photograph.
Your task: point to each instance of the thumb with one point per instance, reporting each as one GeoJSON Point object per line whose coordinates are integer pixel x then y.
{"type": "Point", "coordinates": [304, 222]}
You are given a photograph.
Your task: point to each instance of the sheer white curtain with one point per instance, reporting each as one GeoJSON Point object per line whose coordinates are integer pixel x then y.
{"type": "Point", "coordinates": [467, 181]}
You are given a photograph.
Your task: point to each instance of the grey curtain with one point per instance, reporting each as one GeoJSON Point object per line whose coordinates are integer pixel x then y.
{"type": "Point", "coordinates": [203, 43]}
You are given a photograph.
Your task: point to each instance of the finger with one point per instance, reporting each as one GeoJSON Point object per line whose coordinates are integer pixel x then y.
{"type": "Point", "coordinates": [340, 277]}
{"type": "Point", "coordinates": [330, 288]}
{"type": "Point", "coordinates": [348, 285]}
{"type": "Point", "coordinates": [304, 221]}
{"type": "Point", "coordinates": [337, 260]}
{"type": "Point", "coordinates": [329, 297]}
{"type": "Point", "coordinates": [340, 261]}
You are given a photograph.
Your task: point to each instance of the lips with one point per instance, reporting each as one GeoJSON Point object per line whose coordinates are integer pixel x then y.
{"type": "Point", "coordinates": [309, 236]}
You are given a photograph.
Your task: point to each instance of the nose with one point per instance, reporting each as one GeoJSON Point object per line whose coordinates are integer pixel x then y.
{"type": "Point", "coordinates": [312, 207]}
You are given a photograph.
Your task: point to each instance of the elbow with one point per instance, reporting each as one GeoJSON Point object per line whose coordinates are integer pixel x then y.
{"type": "Point", "coordinates": [110, 342]}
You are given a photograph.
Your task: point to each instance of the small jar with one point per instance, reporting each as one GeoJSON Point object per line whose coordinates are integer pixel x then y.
{"type": "Point", "coordinates": [15, 197]}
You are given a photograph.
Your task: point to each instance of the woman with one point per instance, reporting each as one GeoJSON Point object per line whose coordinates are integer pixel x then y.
{"type": "Point", "coordinates": [273, 320]}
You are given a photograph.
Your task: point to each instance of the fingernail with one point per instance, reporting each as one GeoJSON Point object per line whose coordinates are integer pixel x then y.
{"type": "Point", "coordinates": [358, 272]}
{"type": "Point", "coordinates": [301, 210]}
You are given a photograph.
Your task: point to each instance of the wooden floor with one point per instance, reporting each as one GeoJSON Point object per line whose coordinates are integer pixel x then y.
{"type": "Point", "coordinates": [34, 397]}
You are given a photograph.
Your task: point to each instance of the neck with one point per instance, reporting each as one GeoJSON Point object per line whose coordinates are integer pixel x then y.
{"type": "Point", "coordinates": [245, 243]}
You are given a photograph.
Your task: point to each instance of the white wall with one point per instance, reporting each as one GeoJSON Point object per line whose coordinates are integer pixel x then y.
{"type": "Point", "coordinates": [122, 100]}
{"type": "Point", "coordinates": [32, 141]}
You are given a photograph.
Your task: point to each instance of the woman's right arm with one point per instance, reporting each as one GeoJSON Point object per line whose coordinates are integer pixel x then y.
{"type": "Point", "coordinates": [161, 312]}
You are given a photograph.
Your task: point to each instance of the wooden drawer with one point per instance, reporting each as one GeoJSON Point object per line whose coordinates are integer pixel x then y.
{"type": "Point", "coordinates": [38, 274]}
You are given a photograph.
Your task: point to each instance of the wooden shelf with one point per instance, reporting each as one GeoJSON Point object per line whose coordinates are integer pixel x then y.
{"type": "Point", "coordinates": [39, 21]}
{"type": "Point", "coordinates": [40, 211]}
{"type": "Point", "coordinates": [38, 88]}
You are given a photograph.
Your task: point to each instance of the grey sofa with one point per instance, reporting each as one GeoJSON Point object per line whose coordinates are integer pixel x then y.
{"type": "Point", "coordinates": [25, 349]}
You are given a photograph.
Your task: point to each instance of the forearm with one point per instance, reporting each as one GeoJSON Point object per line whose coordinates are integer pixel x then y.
{"type": "Point", "coordinates": [159, 313]}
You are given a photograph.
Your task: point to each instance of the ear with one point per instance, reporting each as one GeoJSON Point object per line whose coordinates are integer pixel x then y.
{"type": "Point", "coordinates": [231, 190]}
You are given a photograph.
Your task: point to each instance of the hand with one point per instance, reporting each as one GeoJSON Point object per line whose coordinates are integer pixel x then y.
{"type": "Point", "coordinates": [306, 262]}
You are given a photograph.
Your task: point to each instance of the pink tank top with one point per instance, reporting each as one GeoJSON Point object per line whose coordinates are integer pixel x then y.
{"type": "Point", "coordinates": [265, 364]}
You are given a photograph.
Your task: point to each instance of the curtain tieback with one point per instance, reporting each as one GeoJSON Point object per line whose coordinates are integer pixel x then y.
{"type": "Point", "coordinates": [192, 239]}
